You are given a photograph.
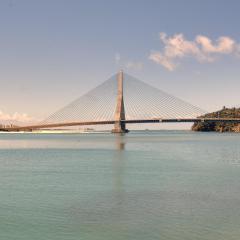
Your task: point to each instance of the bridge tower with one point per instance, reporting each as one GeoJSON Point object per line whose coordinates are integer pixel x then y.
{"type": "Point", "coordinates": [119, 117]}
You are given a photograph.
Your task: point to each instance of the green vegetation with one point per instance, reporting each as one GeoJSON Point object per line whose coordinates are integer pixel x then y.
{"type": "Point", "coordinates": [219, 126]}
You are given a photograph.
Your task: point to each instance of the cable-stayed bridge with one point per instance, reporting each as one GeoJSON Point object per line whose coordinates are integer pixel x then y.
{"type": "Point", "coordinates": [119, 101]}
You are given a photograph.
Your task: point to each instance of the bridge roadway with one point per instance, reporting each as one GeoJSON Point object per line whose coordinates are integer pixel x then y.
{"type": "Point", "coordinates": [155, 120]}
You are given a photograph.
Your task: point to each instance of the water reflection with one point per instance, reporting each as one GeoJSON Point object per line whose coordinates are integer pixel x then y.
{"type": "Point", "coordinates": [120, 142]}
{"type": "Point", "coordinates": [119, 159]}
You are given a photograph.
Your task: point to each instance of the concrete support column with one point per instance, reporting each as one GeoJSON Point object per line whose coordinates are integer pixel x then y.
{"type": "Point", "coordinates": [119, 117]}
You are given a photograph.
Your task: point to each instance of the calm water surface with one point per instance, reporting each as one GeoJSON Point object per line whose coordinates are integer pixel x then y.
{"type": "Point", "coordinates": [153, 185]}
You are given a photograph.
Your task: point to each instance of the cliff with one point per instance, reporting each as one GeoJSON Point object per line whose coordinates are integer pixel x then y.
{"type": "Point", "coordinates": [218, 126]}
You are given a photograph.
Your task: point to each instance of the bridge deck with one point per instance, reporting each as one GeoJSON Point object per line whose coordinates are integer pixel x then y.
{"type": "Point", "coordinates": [132, 121]}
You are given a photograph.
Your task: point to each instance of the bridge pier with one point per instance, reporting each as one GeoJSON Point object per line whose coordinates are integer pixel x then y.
{"type": "Point", "coordinates": [119, 125]}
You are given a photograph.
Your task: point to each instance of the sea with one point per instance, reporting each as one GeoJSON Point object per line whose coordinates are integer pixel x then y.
{"type": "Point", "coordinates": [145, 185]}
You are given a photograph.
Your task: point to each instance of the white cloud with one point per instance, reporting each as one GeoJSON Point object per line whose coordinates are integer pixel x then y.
{"type": "Point", "coordinates": [157, 57]}
{"type": "Point", "coordinates": [117, 58]}
{"type": "Point", "coordinates": [18, 117]}
{"type": "Point", "coordinates": [201, 48]}
{"type": "Point", "coordinates": [125, 63]}
{"type": "Point", "coordinates": [224, 45]}
{"type": "Point", "coordinates": [134, 65]}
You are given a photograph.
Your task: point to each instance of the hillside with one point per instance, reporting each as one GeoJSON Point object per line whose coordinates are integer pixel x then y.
{"type": "Point", "coordinates": [219, 127]}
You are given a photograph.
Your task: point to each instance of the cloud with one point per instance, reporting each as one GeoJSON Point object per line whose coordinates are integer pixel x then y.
{"type": "Point", "coordinates": [18, 117]}
{"type": "Point", "coordinates": [201, 48]}
{"type": "Point", "coordinates": [125, 63]}
{"type": "Point", "coordinates": [117, 58]}
{"type": "Point", "coordinates": [225, 45]}
{"type": "Point", "coordinates": [134, 65]}
{"type": "Point", "coordinates": [157, 57]}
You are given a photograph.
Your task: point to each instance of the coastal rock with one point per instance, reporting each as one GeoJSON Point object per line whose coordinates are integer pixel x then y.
{"type": "Point", "coordinates": [219, 126]}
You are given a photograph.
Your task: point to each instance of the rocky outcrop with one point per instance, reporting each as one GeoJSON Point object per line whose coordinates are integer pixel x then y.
{"type": "Point", "coordinates": [219, 126]}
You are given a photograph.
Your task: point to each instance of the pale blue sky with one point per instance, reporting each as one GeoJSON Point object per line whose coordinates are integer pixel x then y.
{"type": "Point", "coordinates": [53, 51]}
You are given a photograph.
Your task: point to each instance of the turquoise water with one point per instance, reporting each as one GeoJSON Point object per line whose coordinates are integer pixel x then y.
{"type": "Point", "coordinates": [152, 185]}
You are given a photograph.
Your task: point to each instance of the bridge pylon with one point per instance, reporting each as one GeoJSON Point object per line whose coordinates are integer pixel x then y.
{"type": "Point", "coordinates": [119, 117]}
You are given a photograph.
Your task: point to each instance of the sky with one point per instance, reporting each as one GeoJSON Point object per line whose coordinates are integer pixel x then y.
{"type": "Point", "coordinates": [53, 51]}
